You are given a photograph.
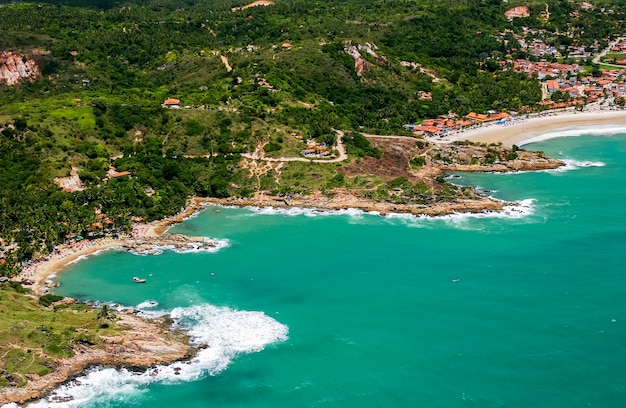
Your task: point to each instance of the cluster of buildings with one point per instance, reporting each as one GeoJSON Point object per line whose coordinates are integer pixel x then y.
{"type": "Point", "coordinates": [539, 43]}
{"type": "Point", "coordinates": [314, 149]}
{"type": "Point", "coordinates": [567, 79]}
{"type": "Point", "coordinates": [544, 69]}
{"type": "Point", "coordinates": [611, 85]}
{"type": "Point", "coordinates": [619, 48]}
{"type": "Point", "coordinates": [448, 123]}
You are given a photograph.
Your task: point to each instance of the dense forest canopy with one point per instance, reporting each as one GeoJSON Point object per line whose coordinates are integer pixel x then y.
{"type": "Point", "coordinates": [245, 76]}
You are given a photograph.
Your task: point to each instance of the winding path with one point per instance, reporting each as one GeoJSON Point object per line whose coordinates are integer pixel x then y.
{"type": "Point", "coordinates": [340, 148]}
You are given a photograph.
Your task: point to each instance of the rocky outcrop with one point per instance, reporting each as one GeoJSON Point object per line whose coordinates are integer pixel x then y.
{"type": "Point", "coordinates": [15, 67]}
{"type": "Point", "coordinates": [154, 244]}
{"type": "Point", "coordinates": [140, 344]}
{"type": "Point", "coordinates": [360, 64]}
{"type": "Point", "coordinates": [493, 158]}
{"type": "Point", "coordinates": [345, 199]}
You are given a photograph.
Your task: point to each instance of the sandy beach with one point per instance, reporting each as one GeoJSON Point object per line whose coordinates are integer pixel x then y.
{"type": "Point", "coordinates": [523, 129]}
{"type": "Point", "coordinates": [520, 130]}
{"type": "Point", "coordinates": [41, 270]}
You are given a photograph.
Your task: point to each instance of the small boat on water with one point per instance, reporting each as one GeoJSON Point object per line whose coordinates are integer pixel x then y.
{"type": "Point", "coordinates": [138, 280]}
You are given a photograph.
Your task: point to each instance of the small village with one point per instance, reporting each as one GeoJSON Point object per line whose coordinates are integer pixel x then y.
{"type": "Point", "coordinates": [565, 86]}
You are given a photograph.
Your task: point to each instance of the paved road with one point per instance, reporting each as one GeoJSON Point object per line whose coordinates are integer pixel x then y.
{"type": "Point", "coordinates": [597, 58]}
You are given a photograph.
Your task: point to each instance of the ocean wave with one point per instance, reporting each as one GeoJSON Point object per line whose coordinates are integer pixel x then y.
{"type": "Point", "coordinates": [518, 209]}
{"type": "Point", "coordinates": [147, 304]}
{"type": "Point", "coordinates": [571, 164]}
{"type": "Point", "coordinates": [308, 212]}
{"type": "Point", "coordinates": [227, 333]}
{"type": "Point", "coordinates": [577, 131]}
{"type": "Point", "coordinates": [190, 247]}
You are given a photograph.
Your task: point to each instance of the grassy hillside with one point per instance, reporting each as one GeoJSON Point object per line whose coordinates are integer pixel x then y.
{"type": "Point", "coordinates": [244, 78]}
{"type": "Point", "coordinates": [32, 337]}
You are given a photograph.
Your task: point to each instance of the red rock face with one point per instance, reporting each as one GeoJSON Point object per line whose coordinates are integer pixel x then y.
{"type": "Point", "coordinates": [14, 67]}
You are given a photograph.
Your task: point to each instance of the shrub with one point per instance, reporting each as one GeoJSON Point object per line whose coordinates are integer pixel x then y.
{"type": "Point", "coordinates": [47, 300]}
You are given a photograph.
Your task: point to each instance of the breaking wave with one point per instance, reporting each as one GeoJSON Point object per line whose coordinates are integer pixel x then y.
{"type": "Point", "coordinates": [571, 164]}
{"type": "Point", "coordinates": [308, 212]}
{"type": "Point", "coordinates": [517, 210]}
{"type": "Point", "coordinates": [578, 131]}
{"type": "Point", "coordinates": [190, 247]}
{"type": "Point", "coordinates": [222, 333]}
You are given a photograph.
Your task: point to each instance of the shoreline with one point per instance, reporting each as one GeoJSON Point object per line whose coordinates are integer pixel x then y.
{"type": "Point", "coordinates": [525, 129]}
{"type": "Point", "coordinates": [140, 352]}
{"type": "Point", "coordinates": [41, 270]}
{"type": "Point", "coordinates": [345, 200]}
{"type": "Point", "coordinates": [521, 131]}
{"type": "Point", "coordinates": [142, 344]}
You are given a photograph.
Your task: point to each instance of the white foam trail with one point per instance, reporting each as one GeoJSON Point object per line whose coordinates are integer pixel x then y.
{"type": "Point", "coordinates": [519, 209]}
{"type": "Point", "coordinates": [147, 304]}
{"type": "Point", "coordinates": [308, 212]}
{"type": "Point", "coordinates": [571, 164]}
{"type": "Point", "coordinates": [227, 333]}
{"type": "Point", "coordinates": [190, 247]}
{"type": "Point", "coordinates": [577, 131]}
{"type": "Point", "coordinates": [78, 259]}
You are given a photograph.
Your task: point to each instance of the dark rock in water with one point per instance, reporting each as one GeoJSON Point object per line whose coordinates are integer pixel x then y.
{"type": "Point", "coordinates": [203, 346]}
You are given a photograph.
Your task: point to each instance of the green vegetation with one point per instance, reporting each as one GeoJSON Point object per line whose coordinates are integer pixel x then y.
{"type": "Point", "coordinates": [108, 67]}
{"type": "Point", "coordinates": [31, 337]}
{"type": "Point", "coordinates": [417, 162]}
{"type": "Point", "coordinates": [358, 145]}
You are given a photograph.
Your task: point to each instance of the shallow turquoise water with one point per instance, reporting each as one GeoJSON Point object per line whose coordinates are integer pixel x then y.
{"type": "Point", "coordinates": [511, 311]}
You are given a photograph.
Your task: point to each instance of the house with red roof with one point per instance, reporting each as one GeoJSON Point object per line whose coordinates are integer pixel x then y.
{"type": "Point", "coordinates": [171, 103]}
{"type": "Point", "coordinates": [553, 85]}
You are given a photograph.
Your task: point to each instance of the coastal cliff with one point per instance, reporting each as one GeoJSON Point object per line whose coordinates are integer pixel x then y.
{"type": "Point", "coordinates": [15, 67]}
{"type": "Point", "coordinates": [137, 344]}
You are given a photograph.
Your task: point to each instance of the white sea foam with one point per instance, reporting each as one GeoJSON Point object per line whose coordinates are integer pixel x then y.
{"type": "Point", "coordinates": [308, 212]}
{"type": "Point", "coordinates": [227, 333]}
{"type": "Point", "coordinates": [578, 131]}
{"type": "Point", "coordinates": [571, 164]}
{"type": "Point", "coordinates": [147, 304]}
{"type": "Point", "coordinates": [83, 257]}
{"type": "Point", "coordinates": [188, 248]}
{"type": "Point", "coordinates": [519, 209]}
{"type": "Point", "coordinates": [78, 259]}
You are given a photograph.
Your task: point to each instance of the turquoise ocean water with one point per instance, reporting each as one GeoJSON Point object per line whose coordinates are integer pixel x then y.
{"type": "Point", "coordinates": [306, 309]}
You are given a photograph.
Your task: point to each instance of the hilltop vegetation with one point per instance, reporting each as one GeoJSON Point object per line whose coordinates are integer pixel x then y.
{"type": "Point", "coordinates": [107, 68]}
{"type": "Point", "coordinates": [33, 338]}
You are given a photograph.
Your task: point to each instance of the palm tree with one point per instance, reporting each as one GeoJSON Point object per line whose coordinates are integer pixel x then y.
{"type": "Point", "coordinates": [105, 313]}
